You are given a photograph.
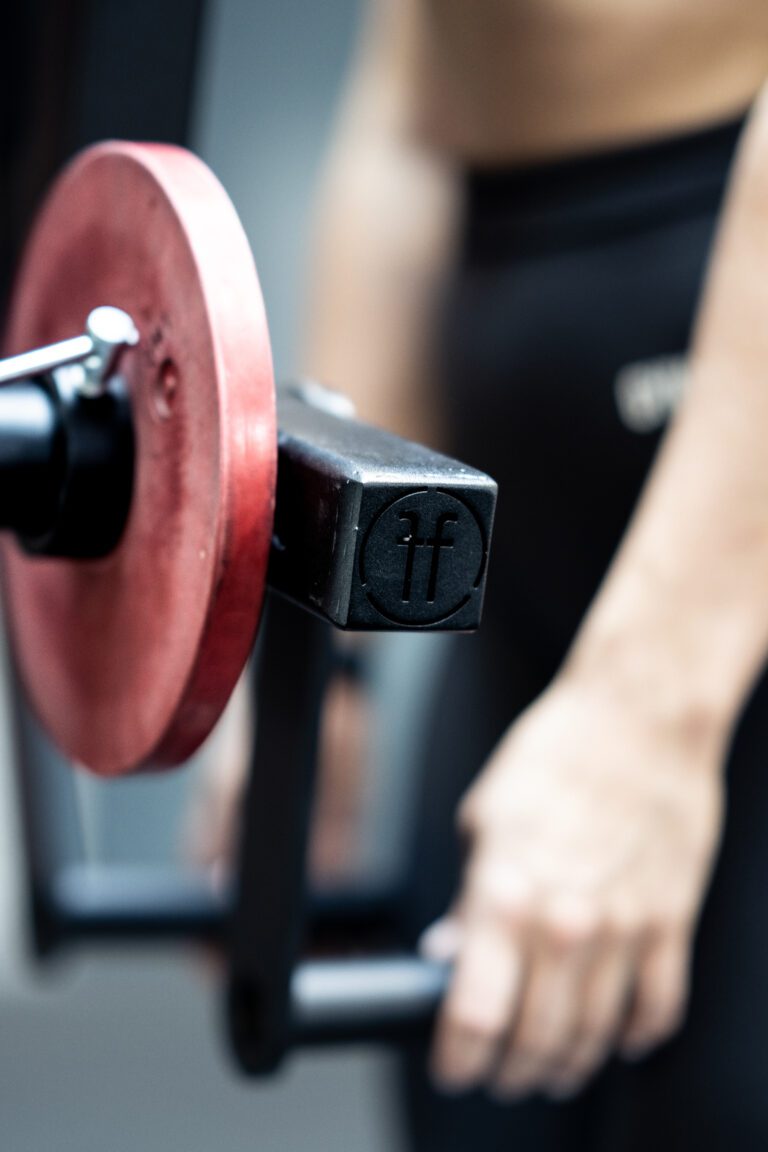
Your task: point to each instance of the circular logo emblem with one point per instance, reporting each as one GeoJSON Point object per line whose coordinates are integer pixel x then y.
{"type": "Point", "coordinates": [422, 558]}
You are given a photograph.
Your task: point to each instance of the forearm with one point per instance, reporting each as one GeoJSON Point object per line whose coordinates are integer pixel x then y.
{"type": "Point", "coordinates": [383, 242]}
{"type": "Point", "coordinates": [682, 618]}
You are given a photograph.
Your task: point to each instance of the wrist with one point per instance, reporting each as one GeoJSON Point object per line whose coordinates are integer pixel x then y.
{"type": "Point", "coordinates": [657, 669]}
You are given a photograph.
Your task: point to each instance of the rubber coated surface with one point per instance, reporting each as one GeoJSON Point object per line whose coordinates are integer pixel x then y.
{"type": "Point", "coordinates": [129, 661]}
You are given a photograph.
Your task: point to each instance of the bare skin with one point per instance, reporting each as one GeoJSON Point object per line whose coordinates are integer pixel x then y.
{"type": "Point", "coordinates": [572, 939]}
{"type": "Point", "coordinates": [594, 827]}
{"type": "Point", "coordinates": [501, 80]}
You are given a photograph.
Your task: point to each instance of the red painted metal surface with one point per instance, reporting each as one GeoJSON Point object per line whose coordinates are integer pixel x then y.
{"type": "Point", "coordinates": [128, 661]}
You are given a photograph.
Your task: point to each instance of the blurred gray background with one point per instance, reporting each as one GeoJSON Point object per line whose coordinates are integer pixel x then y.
{"type": "Point", "coordinates": [120, 1052]}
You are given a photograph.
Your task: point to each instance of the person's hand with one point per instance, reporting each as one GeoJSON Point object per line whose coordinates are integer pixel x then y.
{"type": "Point", "coordinates": [592, 832]}
{"type": "Point", "coordinates": [337, 823]}
{"type": "Point", "coordinates": [213, 816]}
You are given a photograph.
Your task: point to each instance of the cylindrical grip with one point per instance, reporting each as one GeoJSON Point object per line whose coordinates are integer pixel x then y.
{"type": "Point", "coordinates": [375, 999]}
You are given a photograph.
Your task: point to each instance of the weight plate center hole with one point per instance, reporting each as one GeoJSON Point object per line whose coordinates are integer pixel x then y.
{"type": "Point", "coordinates": [166, 388]}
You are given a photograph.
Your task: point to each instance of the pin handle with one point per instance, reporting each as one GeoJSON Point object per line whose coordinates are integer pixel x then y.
{"type": "Point", "coordinates": [107, 331]}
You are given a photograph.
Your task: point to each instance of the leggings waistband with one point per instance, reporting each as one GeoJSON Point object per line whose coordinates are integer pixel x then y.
{"type": "Point", "coordinates": [562, 202]}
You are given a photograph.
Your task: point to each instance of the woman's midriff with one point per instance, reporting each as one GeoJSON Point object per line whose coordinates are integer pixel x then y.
{"type": "Point", "coordinates": [499, 81]}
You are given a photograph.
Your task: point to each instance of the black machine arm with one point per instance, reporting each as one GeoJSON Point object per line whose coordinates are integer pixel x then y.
{"type": "Point", "coordinates": [371, 533]}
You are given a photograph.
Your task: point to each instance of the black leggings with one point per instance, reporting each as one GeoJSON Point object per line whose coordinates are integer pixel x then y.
{"type": "Point", "coordinates": [563, 345]}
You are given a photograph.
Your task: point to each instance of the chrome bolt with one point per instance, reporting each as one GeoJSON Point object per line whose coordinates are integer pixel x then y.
{"type": "Point", "coordinates": [110, 331]}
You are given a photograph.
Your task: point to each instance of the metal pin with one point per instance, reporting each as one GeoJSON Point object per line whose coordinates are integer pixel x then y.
{"type": "Point", "coordinates": [110, 331]}
{"type": "Point", "coordinates": [107, 331]}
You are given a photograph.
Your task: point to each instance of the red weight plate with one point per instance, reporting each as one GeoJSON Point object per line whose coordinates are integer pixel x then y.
{"type": "Point", "coordinates": [129, 661]}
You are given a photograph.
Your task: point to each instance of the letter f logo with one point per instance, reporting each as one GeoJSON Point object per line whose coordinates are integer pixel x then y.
{"type": "Point", "coordinates": [412, 541]}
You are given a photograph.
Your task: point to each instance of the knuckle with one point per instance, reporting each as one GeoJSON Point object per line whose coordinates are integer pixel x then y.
{"type": "Point", "coordinates": [501, 895]}
{"type": "Point", "coordinates": [468, 816]}
{"type": "Point", "coordinates": [512, 908]}
{"type": "Point", "coordinates": [621, 925]}
{"type": "Point", "coordinates": [477, 809]}
{"type": "Point", "coordinates": [570, 932]}
{"type": "Point", "coordinates": [664, 924]}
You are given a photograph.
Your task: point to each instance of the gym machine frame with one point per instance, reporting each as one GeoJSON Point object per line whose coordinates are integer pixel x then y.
{"type": "Point", "coordinates": [370, 532]}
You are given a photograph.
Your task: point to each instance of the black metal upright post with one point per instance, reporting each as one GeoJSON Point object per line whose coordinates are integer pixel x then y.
{"type": "Point", "coordinates": [269, 911]}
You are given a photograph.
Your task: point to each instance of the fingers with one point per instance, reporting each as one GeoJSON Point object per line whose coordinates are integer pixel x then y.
{"type": "Point", "coordinates": [661, 992]}
{"type": "Point", "coordinates": [541, 1005]}
{"type": "Point", "coordinates": [543, 1036]}
{"type": "Point", "coordinates": [211, 822]}
{"type": "Point", "coordinates": [602, 1012]}
{"type": "Point", "coordinates": [340, 798]}
{"type": "Point", "coordinates": [441, 942]}
{"type": "Point", "coordinates": [482, 999]}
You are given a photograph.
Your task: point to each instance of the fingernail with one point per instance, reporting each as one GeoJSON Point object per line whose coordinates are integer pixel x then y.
{"type": "Point", "coordinates": [460, 1065]}
{"type": "Point", "coordinates": [563, 1089]}
{"type": "Point", "coordinates": [506, 1094]}
{"type": "Point", "coordinates": [514, 1085]}
{"type": "Point", "coordinates": [634, 1050]}
{"type": "Point", "coordinates": [446, 1086]}
{"type": "Point", "coordinates": [450, 1081]}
